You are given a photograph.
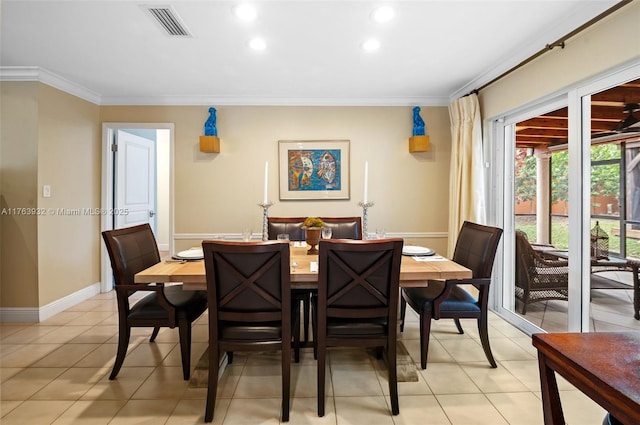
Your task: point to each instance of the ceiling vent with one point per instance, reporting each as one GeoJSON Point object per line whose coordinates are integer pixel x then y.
{"type": "Point", "coordinates": [169, 20]}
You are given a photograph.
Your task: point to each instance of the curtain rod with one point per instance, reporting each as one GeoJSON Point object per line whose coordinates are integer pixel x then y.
{"type": "Point", "coordinates": [557, 43]}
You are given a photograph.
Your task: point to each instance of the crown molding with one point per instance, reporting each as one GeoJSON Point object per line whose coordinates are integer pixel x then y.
{"type": "Point", "coordinates": [35, 73]}
{"type": "Point", "coordinates": [273, 101]}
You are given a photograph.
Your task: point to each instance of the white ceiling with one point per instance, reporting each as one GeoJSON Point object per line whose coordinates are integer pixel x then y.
{"type": "Point", "coordinates": [114, 52]}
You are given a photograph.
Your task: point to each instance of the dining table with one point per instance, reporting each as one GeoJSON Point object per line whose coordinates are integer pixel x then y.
{"type": "Point", "coordinates": [415, 271]}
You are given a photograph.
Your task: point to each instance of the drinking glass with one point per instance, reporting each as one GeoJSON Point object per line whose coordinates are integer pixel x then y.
{"type": "Point", "coordinates": [326, 233]}
{"type": "Point", "coordinates": [381, 233]}
{"type": "Point", "coordinates": [283, 237]}
{"type": "Point", "coordinates": [246, 234]}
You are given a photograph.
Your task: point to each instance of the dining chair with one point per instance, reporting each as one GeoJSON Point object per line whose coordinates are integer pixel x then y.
{"type": "Point", "coordinates": [132, 250]}
{"type": "Point", "coordinates": [249, 294]}
{"type": "Point", "coordinates": [292, 226]}
{"type": "Point", "coordinates": [357, 303]}
{"type": "Point", "coordinates": [341, 228]}
{"type": "Point", "coordinates": [344, 227]}
{"type": "Point", "coordinates": [475, 249]}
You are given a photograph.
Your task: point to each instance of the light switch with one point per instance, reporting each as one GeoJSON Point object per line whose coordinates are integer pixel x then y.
{"type": "Point", "coordinates": [46, 191]}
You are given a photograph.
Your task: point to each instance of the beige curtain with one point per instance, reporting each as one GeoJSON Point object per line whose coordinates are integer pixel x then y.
{"type": "Point", "coordinates": [466, 182]}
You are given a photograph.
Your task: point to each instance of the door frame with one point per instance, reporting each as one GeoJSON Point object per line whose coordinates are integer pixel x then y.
{"type": "Point", "coordinates": [107, 184]}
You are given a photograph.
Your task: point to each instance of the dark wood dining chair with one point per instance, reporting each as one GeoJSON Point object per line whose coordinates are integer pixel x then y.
{"type": "Point", "coordinates": [344, 227]}
{"type": "Point", "coordinates": [292, 226]}
{"type": "Point", "coordinates": [475, 249]}
{"type": "Point", "coordinates": [249, 294]}
{"type": "Point", "coordinates": [341, 228]}
{"type": "Point", "coordinates": [357, 303]}
{"type": "Point", "coordinates": [132, 250]}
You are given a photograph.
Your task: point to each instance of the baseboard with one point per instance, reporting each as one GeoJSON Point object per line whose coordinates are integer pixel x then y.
{"type": "Point", "coordinates": [36, 315]}
{"type": "Point", "coordinates": [19, 315]}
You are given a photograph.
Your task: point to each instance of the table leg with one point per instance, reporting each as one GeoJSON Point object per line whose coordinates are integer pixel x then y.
{"type": "Point", "coordinates": [551, 405]}
{"type": "Point", "coordinates": [636, 292]}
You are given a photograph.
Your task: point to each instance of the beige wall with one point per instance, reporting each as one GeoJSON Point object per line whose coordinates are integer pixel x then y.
{"type": "Point", "coordinates": [69, 157]}
{"type": "Point", "coordinates": [219, 193]}
{"type": "Point", "coordinates": [609, 43]}
{"type": "Point", "coordinates": [19, 171]}
{"type": "Point", "coordinates": [48, 137]}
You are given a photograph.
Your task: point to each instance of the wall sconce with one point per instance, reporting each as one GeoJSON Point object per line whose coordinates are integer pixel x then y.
{"type": "Point", "coordinates": [419, 142]}
{"type": "Point", "coordinates": [210, 142]}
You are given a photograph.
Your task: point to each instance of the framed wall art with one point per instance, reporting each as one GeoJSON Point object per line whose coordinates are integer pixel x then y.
{"type": "Point", "coordinates": [313, 169]}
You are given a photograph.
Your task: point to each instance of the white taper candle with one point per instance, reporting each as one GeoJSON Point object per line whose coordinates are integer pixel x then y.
{"type": "Point", "coordinates": [366, 181]}
{"type": "Point", "coordinates": [266, 180]}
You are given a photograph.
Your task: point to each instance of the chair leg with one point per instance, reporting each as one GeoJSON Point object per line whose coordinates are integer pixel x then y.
{"type": "Point", "coordinates": [458, 325]}
{"type": "Point", "coordinates": [296, 334]}
{"type": "Point", "coordinates": [286, 379]}
{"type": "Point", "coordinates": [229, 357]}
{"type": "Point", "coordinates": [403, 311]}
{"type": "Point", "coordinates": [484, 338]}
{"type": "Point", "coordinates": [315, 334]}
{"type": "Point", "coordinates": [306, 305]}
{"type": "Point", "coordinates": [154, 334]}
{"type": "Point", "coordinates": [184, 329]}
{"type": "Point", "coordinates": [321, 354]}
{"type": "Point", "coordinates": [525, 301]}
{"type": "Point", "coordinates": [425, 329]}
{"type": "Point", "coordinates": [212, 382]}
{"type": "Point", "coordinates": [123, 343]}
{"type": "Point", "coordinates": [393, 377]}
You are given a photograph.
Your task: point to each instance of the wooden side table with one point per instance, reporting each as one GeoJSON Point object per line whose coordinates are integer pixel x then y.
{"type": "Point", "coordinates": [604, 366]}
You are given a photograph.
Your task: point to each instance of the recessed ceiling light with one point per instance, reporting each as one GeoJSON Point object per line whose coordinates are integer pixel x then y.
{"type": "Point", "coordinates": [383, 14]}
{"type": "Point", "coordinates": [257, 44]}
{"type": "Point", "coordinates": [246, 12]}
{"type": "Point", "coordinates": [371, 45]}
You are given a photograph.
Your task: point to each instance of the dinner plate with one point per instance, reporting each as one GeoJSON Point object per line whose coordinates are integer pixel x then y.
{"type": "Point", "coordinates": [417, 250]}
{"type": "Point", "coordinates": [190, 254]}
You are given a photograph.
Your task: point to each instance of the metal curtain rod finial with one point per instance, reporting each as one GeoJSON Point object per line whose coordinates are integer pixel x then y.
{"type": "Point", "coordinates": [554, 45]}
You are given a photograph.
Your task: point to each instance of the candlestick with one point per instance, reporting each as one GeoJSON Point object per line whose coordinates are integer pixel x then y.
{"type": "Point", "coordinates": [365, 218]}
{"type": "Point", "coordinates": [265, 225]}
{"type": "Point", "coordinates": [266, 180]}
{"type": "Point", "coordinates": [366, 181]}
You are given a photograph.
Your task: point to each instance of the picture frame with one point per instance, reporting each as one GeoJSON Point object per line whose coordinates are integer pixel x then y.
{"type": "Point", "coordinates": [314, 169]}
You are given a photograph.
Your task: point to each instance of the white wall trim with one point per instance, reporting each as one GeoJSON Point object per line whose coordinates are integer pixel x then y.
{"type": "Point", "coordinates": [35, 315]}
{"type": "Point", "coordinates": [35, 73]}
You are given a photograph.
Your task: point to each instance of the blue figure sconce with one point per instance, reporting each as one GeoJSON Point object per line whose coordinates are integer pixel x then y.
{"type": "Point", "coordinates": [210, 142]}
{"type": "Point", "coordinates": [419, 142]}
{"type": "Point", "coordinates": [418, 122]}
{"type": "Point", "coordinates": [210, 125]}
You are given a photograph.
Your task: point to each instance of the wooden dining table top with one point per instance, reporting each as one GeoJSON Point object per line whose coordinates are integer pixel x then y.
{"type": "Point", "coordinates": [413, 272]}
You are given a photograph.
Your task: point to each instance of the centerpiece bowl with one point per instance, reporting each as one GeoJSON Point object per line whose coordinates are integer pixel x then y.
{"type": "Point", "coordinates": [312, 227]}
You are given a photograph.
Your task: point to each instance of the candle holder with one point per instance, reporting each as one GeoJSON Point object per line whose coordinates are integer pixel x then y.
{"type": "Point", "coordinates": [265, 226]}
{"type": "Point", "coordinates": [365, 218]}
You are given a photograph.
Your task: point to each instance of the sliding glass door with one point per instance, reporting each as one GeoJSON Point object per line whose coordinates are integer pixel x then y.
{"type": "Point", "coordinates": [570, 202]}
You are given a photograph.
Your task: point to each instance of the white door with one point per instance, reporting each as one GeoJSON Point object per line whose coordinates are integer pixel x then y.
{"type": "Point", "coordinates": [135, 178]}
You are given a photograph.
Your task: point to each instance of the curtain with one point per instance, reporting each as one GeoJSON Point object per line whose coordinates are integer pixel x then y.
{"type": "Point", "coordinates": [466, 181]}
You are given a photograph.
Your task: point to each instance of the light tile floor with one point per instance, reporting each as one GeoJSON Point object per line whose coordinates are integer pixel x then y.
{"type": "Point", "coordinates": [56, 372]}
